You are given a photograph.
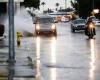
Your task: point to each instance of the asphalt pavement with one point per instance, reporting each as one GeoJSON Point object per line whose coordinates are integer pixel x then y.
{"type": "Point", "coordinates": [69, 56]}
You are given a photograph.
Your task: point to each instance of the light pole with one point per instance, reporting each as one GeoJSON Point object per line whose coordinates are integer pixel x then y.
{"type": "Point", "coordinates": [11, 58]}
{"type": "Point", "coordinates": [65, 4]}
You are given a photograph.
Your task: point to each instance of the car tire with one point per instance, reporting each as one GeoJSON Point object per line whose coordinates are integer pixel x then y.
{"type": "Point", "coordinates": [37, 33]}
{"type": "Point", "coordinates": [73, 30]}
{"type": "Point", "coordinates": [55, 33]}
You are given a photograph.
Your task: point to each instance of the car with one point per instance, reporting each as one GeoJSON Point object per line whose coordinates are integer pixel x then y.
{"type": "Point", "coordinates": [78, 24]}
{"type": "Point", "coordinates": [45, 24]}
{"type": "Point", "coordinates": [96, 21]}
{"type": "Point", "coordinates": [61, 16]}
{"type": "Point", "coordinates": [92, 17]}
{"type": "Point", "coordinates": [2, 29]}
{"type": "Point", "coordinates": [65, 18]}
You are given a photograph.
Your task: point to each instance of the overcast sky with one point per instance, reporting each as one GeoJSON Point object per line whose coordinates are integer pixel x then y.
{"type": "Point", "coordinates": [51, 3]}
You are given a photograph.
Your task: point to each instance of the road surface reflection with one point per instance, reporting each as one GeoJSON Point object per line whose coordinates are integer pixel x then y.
{"type": "Point", "coordinates": [53, 50]}
{"type": "Point", "coordinates": [93, 58]}
{"type": "Point", "coordinates": [53, 58]}
{"type": "Point", "coordinates": [38, 74]}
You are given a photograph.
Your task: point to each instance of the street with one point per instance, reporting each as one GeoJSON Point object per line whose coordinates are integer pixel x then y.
{"type": "Point", "coordinates": [49, 40]}
{"type": "Point", "coordinates": [69, 56]}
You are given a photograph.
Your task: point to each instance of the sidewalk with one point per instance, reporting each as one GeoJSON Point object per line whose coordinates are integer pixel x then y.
{"type": "Point", "coordinates": [24, 66]}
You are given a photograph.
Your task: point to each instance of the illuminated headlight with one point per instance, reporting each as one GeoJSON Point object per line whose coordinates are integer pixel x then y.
{"type": "Point", "coordinates": [53, 27]}
{"type": "Point", "coordinates": [91, 26]}
{"type": "Point", "coordinates": [37, 27]}
{"type": "Point", "coordinates": [75, 25]}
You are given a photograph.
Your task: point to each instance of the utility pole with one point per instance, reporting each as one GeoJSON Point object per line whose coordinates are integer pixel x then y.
{"type": "Point", "coordinates": [65, 4]}
{"type": "Point", "coordinates": [11, 58]}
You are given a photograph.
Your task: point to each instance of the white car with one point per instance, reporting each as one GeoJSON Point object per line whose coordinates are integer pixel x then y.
{"type": "Point", "coordinates": [45, 24]}
{"type": "Point", "coordinates": [64, 19]}
{"type": "Point", "coordinates": [96, 21]}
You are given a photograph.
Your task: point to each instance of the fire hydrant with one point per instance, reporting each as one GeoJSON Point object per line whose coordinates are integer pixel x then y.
{"type": "Point", "coordinates": [18, 39]}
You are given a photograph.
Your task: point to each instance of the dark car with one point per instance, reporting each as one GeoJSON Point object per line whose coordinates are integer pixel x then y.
{"type": "Point", "coordinates": [45, 24]}
{"type": "Point", "coordinates": [78, 24]}
{"type": "Point", "coordinates": [2, 29]}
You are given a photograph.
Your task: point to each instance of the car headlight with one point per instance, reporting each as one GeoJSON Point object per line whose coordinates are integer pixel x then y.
{"type": "Point", "coordinates": [75, 26]}
{"type": "Point", "coordinates": [53, 27]}
{"type": "Point", "coordinates": [37, 27]}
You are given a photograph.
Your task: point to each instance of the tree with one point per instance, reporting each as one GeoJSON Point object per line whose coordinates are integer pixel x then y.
{"type": "Point", "coordinates": [57, 5]}
{"type": "Point", "coordinates": [86, 7]}
{"type": "Point", "coordinates": [43, 3]}
{"type": "Point", "coordinates": [3, 8]}
{"type": "Point", "coordinates": [82, 7]}
{"type": "Point", "coordinates": [75, 5]}
{"type": "Point", "coordinates": [31, 3]}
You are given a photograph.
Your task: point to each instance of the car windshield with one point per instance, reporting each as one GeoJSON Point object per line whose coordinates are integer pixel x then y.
{"type": "Point", "coordinates": [45, 20]}
{"type": "Point", "coordinates": [79, 21]}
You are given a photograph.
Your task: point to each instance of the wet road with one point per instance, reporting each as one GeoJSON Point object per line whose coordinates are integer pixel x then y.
{"type": "Point", "coordinates": [69, 56]}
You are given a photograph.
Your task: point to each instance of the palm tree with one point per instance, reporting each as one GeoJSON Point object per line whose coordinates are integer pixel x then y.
{"type": "Point", "coordinates": [75, 5]}
{"type": "Point", "coordinates": [57, 5]}
{"type": "Point", "coordinates": [43, 3]}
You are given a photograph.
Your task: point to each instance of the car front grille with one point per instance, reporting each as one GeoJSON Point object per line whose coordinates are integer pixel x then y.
{"type": "Point", "coordinates": [81, 26]}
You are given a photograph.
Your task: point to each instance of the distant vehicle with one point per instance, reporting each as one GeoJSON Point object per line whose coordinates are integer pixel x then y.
{"type": "Point", "coordinates": [65, 18]}
{"type": "Point", "coordinates": [2, 29]}
{"type": "Point", "coordinates": [78, 24]}
{"type": "Point", "coordinates": [61, 16]}
{"type": "Point", "coordinates": [90, 29]}
{"type": "Point", "coordinates": [45, 24]}
{"type": "Point", "coordinates": [92, 17]}
{"type": "Point", "coordinates": [95, 20]}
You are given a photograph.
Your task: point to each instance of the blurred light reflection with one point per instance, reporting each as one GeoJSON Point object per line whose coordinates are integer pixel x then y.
{"type": "Point", "coordinates": [93, 59]}
{"type": "Point", "coordinates": [53, 74]}
{"type": "Point", "coordinates": [38, 58]}
{"type": "Point", "coordinates": [53, 58]}
{"type": "Point", "coordinates": [38, 47]}
{"type": "Point", "coordinates": [53, 49]}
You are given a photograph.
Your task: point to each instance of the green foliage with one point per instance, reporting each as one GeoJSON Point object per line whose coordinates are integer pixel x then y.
{"type": "Point", "coordinates": [85, 6]}
{"type": "Point", "coordinates": [57, 4]}
{"type": "Point", "coordinates": [31, 3]}
{"type": "Point", "coordinates": [43, 3]}
{"type": "Point", "coordinates": [3, 8]}
{"type": "Point", "coordinates": [76, 6]}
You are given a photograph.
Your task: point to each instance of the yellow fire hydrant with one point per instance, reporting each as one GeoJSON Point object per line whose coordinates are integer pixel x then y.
{"type": "Point", "coordinates": [18, 39]}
